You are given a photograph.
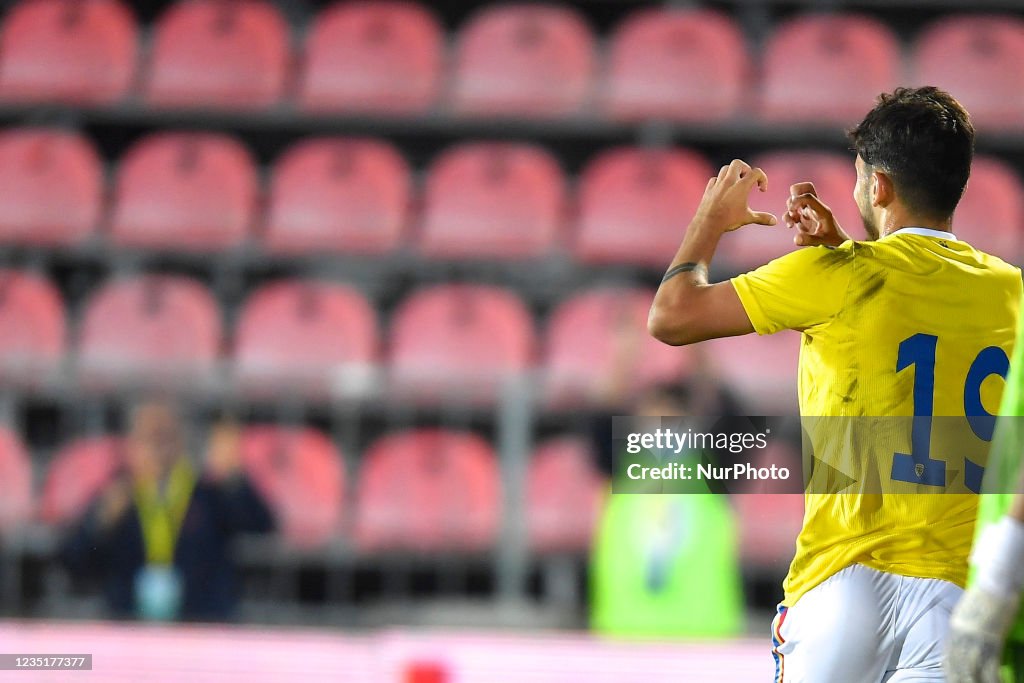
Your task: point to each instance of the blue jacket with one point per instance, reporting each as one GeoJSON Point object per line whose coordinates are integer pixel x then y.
{"type": "Point", "coordinates": [216, 513]}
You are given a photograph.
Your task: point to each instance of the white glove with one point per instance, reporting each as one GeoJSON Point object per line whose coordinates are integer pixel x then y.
{"type": "Point", "coordinates": [977, 636]}
{"type": "Point", "coordinates": [986, 612]}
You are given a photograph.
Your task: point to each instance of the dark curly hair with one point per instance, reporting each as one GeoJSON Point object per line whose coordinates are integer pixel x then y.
{"type": "Point", "coordinates": [924, 139]}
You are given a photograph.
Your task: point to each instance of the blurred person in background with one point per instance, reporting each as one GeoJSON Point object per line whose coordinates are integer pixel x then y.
{"type": "Point", "coordinates": [667, 564]}
{"type": "Point", "coordinates": [158, 537]}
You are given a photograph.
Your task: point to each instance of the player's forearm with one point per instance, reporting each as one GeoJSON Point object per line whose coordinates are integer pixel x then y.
{"type": "Point", "coordinates": [677, 301]}
{"type": "Point", "coordinates": [998, 554]}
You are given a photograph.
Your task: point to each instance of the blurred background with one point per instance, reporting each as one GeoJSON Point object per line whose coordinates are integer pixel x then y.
{"type": "Point", "coordinates": [313, 317]}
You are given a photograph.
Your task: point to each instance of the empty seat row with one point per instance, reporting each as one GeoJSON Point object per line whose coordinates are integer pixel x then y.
{"type": "Point", "coordinates": [201, 192]}
{"type": "Point", "coordinates": [315, 337]}
{"type": "Point", "coordinates": [425, 489]}
{"type": "Point", "coordinates": [508, 59]}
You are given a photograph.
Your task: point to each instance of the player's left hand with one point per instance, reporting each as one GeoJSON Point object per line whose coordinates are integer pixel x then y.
{"type": "Point", "coordinates": [978, 630]}
{"type": "Point", "coordinates": [725, 202]}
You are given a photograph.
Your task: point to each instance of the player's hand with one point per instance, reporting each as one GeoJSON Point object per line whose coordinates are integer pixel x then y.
{"type": "Point", "coordinates": [978, 629]}
{"type": "Point", "coordinates": [114, 503]}
{"type": "Point", "coordinates": [815, 225]}
{"type": "Point", "coordinates": [725, 202]}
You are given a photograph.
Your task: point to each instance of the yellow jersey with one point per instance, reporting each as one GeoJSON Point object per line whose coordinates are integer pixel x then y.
{"type": "Point", "coordinates": [916, 323]}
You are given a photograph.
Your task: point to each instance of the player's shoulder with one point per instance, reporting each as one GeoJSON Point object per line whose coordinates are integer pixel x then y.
{"type": "Point", "coordinates": [995, 263]}
{"type": "Point", "coordinates": [821, 256]}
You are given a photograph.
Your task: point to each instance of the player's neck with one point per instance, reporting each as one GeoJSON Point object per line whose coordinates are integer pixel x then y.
{"type": "Point", "coordinates": [894, 219]}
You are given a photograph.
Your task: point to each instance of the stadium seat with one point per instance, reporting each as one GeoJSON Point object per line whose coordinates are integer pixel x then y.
{"type": "Point", "coordinates": [301, 474]}
{"type": "Point", "coordinates": [635, 205]}
{"type": "Point", "coordinates": [76, 476]}
{"type": "Point", "coordinates": [219, 54]}
{"type": "Point", "coordinates": [459, 340]}
{"type": "Point", "coordinates": [372, 56]}
{"type": "Point", "coordinates": [979, 59]}
{"type": "Point", "coordinates": [338, 195]}
{"type": "Point", "coordinates": [850, 59]}
{"type": "Point", "coordinates": [51, 187]}
{"type": "Point", "coordinates": [493, 200]}
{"type": "Point", "coordinates": [32, 324]}
{"type": "Point", "coordinates": [184, 191]}
{"type": "Point", "coordinates": [429, 490]}
{"type": "Point", "coordinates": [161, 328]}
{"type": "Point", "coordinates": [833, 176]}
{"type": "Point", "coordinates": [769, 524]}
{"type": "Point", "coordinates": [763, 369]}
{"type": "Point", "coordinates": [677, 65]}
{"type": "Point", "coordinates": [74, 51]}
{"type": "Point", "coordinates": [990, 217]}
{"type": "Point", "coordinates": [524, 60]}
{"type": "Point", "coordinates": [305, 336]}
{"type": "Point", "coordinates": [564, 495]}
{"type": "Point", "coordinates": [598, 338]}
{"type": "Point", "coordinates": [15, 481]}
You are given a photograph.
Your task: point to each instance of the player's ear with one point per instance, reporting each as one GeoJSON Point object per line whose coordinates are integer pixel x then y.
{"type": "Point", "coordinates": [883, 192]}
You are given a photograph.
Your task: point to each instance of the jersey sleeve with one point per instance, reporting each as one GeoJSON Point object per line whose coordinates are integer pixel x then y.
{"type": "Point", "coordinates": [802, 289]}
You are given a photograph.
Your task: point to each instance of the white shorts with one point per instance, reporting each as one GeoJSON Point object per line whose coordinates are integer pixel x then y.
{"type": "Point", "coordinates": [865, 626]}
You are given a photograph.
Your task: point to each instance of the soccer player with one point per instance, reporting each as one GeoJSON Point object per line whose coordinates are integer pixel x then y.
{"type": "Point", "coordinates": [988, 614]}
{"type": "Point", "coordinates": [912, 322]}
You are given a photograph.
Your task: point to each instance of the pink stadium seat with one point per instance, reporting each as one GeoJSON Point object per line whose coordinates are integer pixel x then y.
{"type": "Point", "coordinates": [77, 475]}
{"type": "Point", "coordinates": [769, 524]}
{"type": "Point", "coordinates": [157, 327]}
{"type": "Point", "coordinates": [493, 200]}
{"type": "Point", "coordinates": [635, 205]}
{"type": "Point", "coordinates": [677, 64]}
{"type": "Point", "coordinates": [979, 59]}
{"type": "Point", "coordinates": [185, 191]}
{"type": "Point", "coordinates": [459, 339]}
{"type": "Point", "coordinates": [373, 56]}
{"type": "Point", "coordinates": [338, 195]}
{"type": "Point", "coordinates": [305, 336]}
{"type": "Point", "coordinates": [564, 495]}
{"type": "Point", "coordinates": [990, 217]}
{"type": "Point", "coordinates": [599, 337]}
{"type": "Point", "coordinates": [32, 324]}
{"type": "Point", "coordinates": [219, 54]}
{"type": "Point", "coordinates": [51, 187]}
{"type": "Point", "coordinates": [302, 475]}
{"type": "Point", "coordinates": [429, 490]}
{"type": "Point", "coordinates": [520, 59]}
{"type": "Point", "coordinates": [76, 51]}
{"type": "Point", "coordinates": [762, 369]}
{"type": "Point", "coordinates": [833, 176]}
{"type": "Point", "coordinates": [849, 58]}
{"type": "Point", "coordinates": [15, 481]}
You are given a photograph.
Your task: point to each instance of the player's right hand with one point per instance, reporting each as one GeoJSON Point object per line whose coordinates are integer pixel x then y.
{"type": "Point", "coordinates": [978, 629]}
{"type": "Point", "coordinates": [813, 220]}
